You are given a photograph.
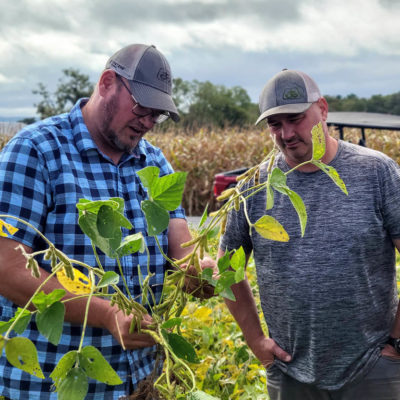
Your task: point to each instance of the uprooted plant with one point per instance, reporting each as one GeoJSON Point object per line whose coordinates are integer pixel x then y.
{"type": "Point", "coordinates": [101, 221]}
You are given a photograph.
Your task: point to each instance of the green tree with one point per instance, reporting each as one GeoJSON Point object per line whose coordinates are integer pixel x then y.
{"type": "Point", "coordinates": [72, 86]}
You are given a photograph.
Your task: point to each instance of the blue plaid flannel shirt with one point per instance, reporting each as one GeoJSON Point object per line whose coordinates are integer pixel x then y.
{"type": "Point", "coordinates": [44, 171]}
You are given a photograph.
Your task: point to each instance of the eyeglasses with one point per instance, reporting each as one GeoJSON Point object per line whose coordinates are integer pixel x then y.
{"type": "Point", "coordinates": [156, 115]}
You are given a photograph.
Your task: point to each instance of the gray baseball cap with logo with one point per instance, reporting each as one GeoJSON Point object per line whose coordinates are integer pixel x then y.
{"type": "Point", "coordinates": [149, 76]}
{"type": "Point", "coordinates": [288, 92]}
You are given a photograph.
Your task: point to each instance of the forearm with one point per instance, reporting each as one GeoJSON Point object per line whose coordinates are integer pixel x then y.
{"type": "Point", "coordinates": [18, 285]}
{"type": "Point", "coordinates": [245, 312]}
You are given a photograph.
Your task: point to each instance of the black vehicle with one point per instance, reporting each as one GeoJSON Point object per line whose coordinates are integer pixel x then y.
{"type": "Point", "coordinates": [339, 119]}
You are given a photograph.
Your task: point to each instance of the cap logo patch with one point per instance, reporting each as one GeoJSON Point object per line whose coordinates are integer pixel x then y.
{"type": "Point", "coordinates": [164, 76]}
{"type": "Point", "coordinates": [292, 93]}
{"type": "Point", "coordinates": [116, 65]}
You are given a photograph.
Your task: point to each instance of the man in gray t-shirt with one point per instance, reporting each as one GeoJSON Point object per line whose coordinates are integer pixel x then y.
{"type": "Point", "coordinates": [330, 297]}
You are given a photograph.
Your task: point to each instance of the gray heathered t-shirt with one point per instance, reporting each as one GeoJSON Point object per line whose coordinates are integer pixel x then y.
{"type": "Point", "coordinates": [329, 298]}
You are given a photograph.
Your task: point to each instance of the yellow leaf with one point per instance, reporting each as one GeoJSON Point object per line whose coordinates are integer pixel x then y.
{"type": "Point", "coordinates": [318, 141]}
{"type": "Point", "coordinates": [80, 285]}
{"type": "Point", "coordinates": [269, 228]}
{"type": "Point", "coordinates": [202, 313]}
{"type": "Point", "coordinates": [11, 229]}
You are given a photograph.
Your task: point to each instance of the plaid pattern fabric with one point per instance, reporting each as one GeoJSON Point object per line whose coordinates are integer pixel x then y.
{"type": "Point", "coordinates": [44, 171]}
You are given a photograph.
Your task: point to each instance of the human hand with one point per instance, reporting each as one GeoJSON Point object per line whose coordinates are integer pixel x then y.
{"type": "Point", "coordinates": [193, 284]}
{"type": "Point", "coordinates": [390, 352]}
{"type": "Point", "coordinates": [266, 350]}
{"type": "Point", "coordinates": [119, 324]}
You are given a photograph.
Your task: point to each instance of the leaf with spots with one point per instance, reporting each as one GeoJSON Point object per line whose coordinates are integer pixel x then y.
{"type": "Point", "coordinates": [269, 228]}
{"type": "Point", "coordinates": [22, 354]}
{"type": "Point", "coordinates": [96, 366]}
{"type": "Point", "coordinates": [318, 141]}
{"type": "Point", "coordinates": [81, 284]}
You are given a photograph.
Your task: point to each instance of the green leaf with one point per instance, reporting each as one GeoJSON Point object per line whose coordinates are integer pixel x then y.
{"type": "Point", "coordinates": [238, 260]}
{"type": "Point", "coordinates": [318, 141]}
{"type": "Point", "coordinates": [181, 347]}
{"type": "Point", "coordinates": [65, 364]}
{"type": "Point", "coordinates": [213, 232]}
{"type": "Point", "coordinates": [97, 367]}
{"type": "Point", "coordinates": [50, 322]}
{"type": "Point", "coordinates": [109, 221]}
{"type": "Point", "coordinates": [224, 283]}
{"type": "Point", "coordinates": [148, 175]}
{"type": "Point", "coordinates": [171, 323]}
{"type": "Point", "coordinates": [207, 275]}
{"type": "Point", "coordinates": [2, 344]}
{"type": "Point", "coordinates": [74, 386]}
{"type": "Point", "coordinates": [43, 300]}
{"type": "Point", "coordinates": [23, 321]}
{"type": "Point", "coordinates": [168, 190]}
{"type": "Point", "coordinates": [278, 181]}
{"type": "Point", "coordinates": [94, 206]}
{"type": "Point", "coordinates": [131, 244]}
{"type": "Point", "coordinates": [333, 174]}
{"type": "Point", "coordinates": [269, 228]}
{"type": "Point", "coordinates": [88, 223]}
{"type": "Point", "coordinates": [270, 196]}
{"type": "Point", "coordinates": [157, 218]}
{"type": "Point", "coordinates": [109, 278]}
{"type": "Point", "coordinates": [20, 326]}
{"type": "Point", "coordinates": [22, 354]}
{"type": "Point", "coordinates": [277, 178]}
{"type": "Point", "coordinates": [200, 395]}
{"type": "Point", "coordinates": [242, 354]}
{"type": "Point", "coordinates": [203, 218]}
{"type": "Point", "coordinates": [224, 262]}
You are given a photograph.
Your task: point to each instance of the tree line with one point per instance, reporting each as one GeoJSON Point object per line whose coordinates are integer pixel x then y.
{"type": "Point", "coordinates": [201, 104]}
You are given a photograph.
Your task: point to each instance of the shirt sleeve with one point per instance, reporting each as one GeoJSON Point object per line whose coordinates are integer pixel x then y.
{"type": "Point", "coordinates": [23, 188]}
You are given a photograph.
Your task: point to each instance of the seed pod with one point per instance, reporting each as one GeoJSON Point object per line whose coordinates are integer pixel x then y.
{"type": "Point", "coordinates": [183, 260]}
{"type": "Point", "coordinates": [133, 324]}
{"type": "Point", "coordinates": [35, 270]}
{"type": "Point", "coordinates": [53, 260]}
{"type": "Point", "coordinates": [245, 174]}
{"type": "Point", "coordinates": [271, 163]}
{"type": "Point", "coordinates": [190, 242]}
{"type": "Point", "coordinates": [48, 254]}
{"type": "Point", "coordinates": [69, 270]}
{"type": "Point", "coordinates": [138, 307]}
{"type": "Point", "coordinates": [237, 203]}
{"type": "Point", "coordinates": [226, 194]}
{"type": "Point", "coordinates": [223, 224]}
{"type": "Point", "coordinates": [197, 263]}
{"type": "Point", "coordinates": [202, 248]}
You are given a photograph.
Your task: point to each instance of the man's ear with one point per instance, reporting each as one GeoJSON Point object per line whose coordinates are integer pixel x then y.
{"type": "Point", "coordinates": [323, 106]}
{"type": "Point", "coordinates": [107, 82]}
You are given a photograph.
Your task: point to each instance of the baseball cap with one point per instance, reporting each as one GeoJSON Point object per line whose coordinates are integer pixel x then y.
{"type": "Point", "coordinates": [148, 74]}
{"type": "Point", "coordinates": [288, 92]}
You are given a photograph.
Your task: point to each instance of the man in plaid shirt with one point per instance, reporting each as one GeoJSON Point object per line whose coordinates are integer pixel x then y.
{"type": "Point", "coordinates": [92, 152]}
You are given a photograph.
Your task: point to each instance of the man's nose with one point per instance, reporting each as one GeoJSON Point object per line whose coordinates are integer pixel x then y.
{"type": "Point", "coordinates": [287, 130]}
{"type": "Point", "coordinates": [148, 121]}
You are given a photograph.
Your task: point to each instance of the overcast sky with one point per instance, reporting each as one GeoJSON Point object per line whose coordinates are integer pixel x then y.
{"type": "Point", "coordinates": [347, 46]}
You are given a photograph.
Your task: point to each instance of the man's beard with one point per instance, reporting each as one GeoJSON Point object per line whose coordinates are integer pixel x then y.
{"type": "Point", "coordinates": [109, 111]}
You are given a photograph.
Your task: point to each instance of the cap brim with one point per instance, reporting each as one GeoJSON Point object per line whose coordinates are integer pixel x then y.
{"type": "Point", "coordinates": [285, 109]}
{"type": "Point", "coordinates": [150, 97]}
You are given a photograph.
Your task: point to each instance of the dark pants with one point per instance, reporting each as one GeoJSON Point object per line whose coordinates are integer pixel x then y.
{"type": "Point", "coordinates": [381, 383]}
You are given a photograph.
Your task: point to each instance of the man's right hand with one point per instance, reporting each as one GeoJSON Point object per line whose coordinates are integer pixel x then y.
{"type": "Point", "coordinates": [266, 350]}
{"type": "Point", "coordinates": [118, 324]}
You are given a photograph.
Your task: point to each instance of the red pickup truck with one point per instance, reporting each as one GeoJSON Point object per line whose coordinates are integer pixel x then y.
{"type": "Point", "coordinates": [340, 119]}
